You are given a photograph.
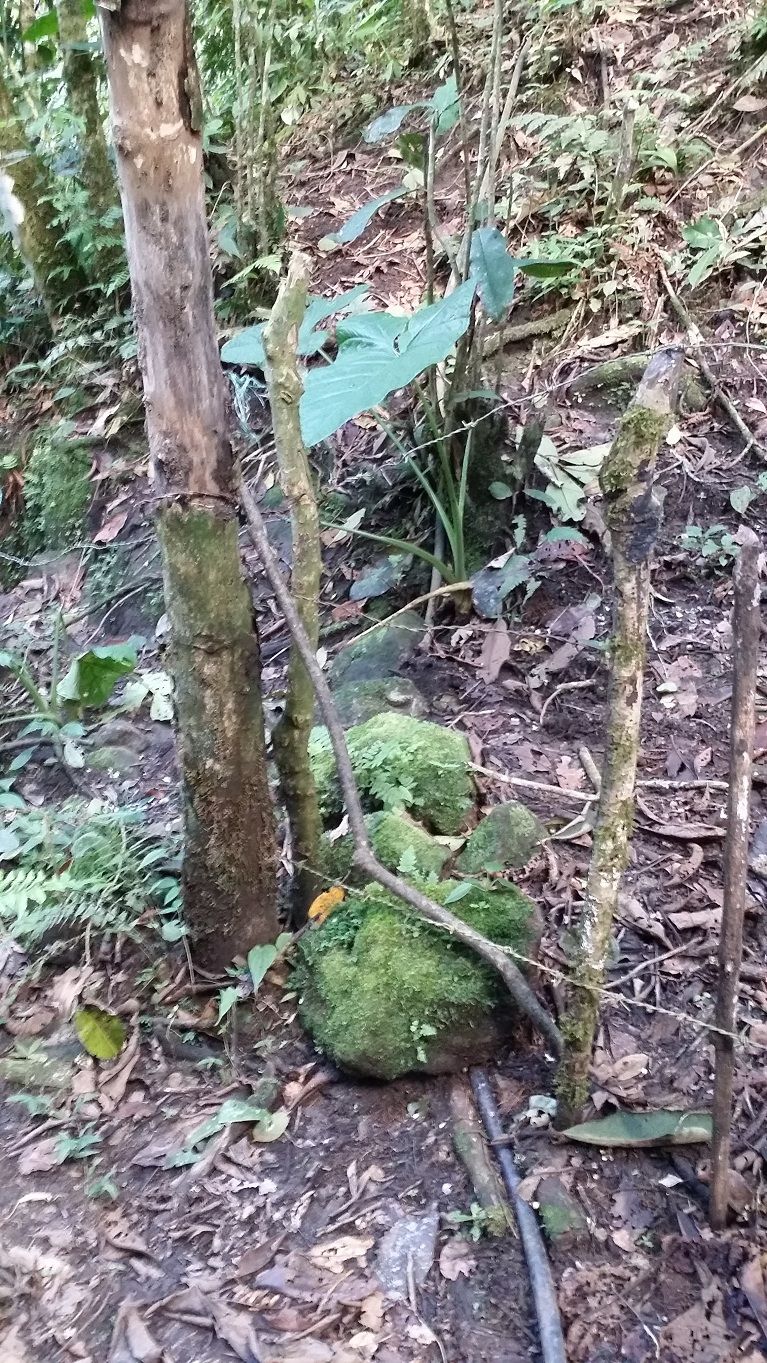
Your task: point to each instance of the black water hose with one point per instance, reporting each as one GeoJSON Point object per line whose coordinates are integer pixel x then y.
{"type": "Point", "coordinates": [538, 1267]}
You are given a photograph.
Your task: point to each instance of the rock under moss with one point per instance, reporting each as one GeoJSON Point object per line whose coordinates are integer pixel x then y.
{"type": "Point", "coordinates": [398, 842]}
{"type": "Point", "coordinates": [400, 762]}
{"type": "Point", "coordinates": [384, 993]}
{"type": "Point", "coordinates": [358, 701]}
{"type": "Point", "coordinates": [379, 654]}
{"type": "Point", "coordinates": [505, 838]}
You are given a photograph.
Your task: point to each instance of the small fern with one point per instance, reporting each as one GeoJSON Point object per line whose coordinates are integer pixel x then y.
{"type": "Point", "coordinates": [82, 869]}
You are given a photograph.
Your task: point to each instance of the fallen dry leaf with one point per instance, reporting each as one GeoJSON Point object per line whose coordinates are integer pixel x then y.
{"type": "Point", "coordinates": [333, 1254]}
{"type": "Point", "coordinates": [131, 1341]}
{"type": "Point", "coordinates": [40, 1158]}
{"type": "Point", "coordinates": [455, 1260]}
{"type": "Point", "coordinates": [700, 1334]}
{"type": "Point", "coordinates": [495, 651]}
{"type": "Point", "coordinates": [111, 528]}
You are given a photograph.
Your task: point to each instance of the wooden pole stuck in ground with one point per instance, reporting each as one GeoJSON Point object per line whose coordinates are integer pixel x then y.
{"type": "Point", "coordinates": [745, 654]}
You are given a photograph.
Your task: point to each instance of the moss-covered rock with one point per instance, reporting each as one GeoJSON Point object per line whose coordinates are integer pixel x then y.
{"type": "Point", "coordinates": [400, 762]}
{"type": "Point", "coordinates": [378, 654]}
{"type": "Point", "coordinates": [398, 842]}
{"type": "Point", "coordinates": [358, 701]}
{"type": "Point", "coordinates": [384, 993]}
{"type": "Point", "coordinates": [505, 838]}
{"type": "Point", "coordinates": [57, 491]}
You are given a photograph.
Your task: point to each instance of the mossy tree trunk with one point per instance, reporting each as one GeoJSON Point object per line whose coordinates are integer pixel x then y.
{"type": "Point", "coordinates": [229, 871]}
{"type": "Point", "coordinates": [26, 199]}
{"type": "Point", "coordinates": [634, 515]}
{"type": "Point", "coordinates": [96, 173]}
{"type": "Point", "coordinates": [291, 737]}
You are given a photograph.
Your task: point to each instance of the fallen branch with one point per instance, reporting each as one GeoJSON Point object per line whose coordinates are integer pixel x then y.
{"type": "Point", "coordinates": [696, 341]}
{"type": "Point", "coordinates": [634, 519]}
{"type": "Point", "coordinates": [745, 654]}
{"type": "Point", "coordinates": [469, 1143]}
{"type": "Point", "coordinates": [518, 987]}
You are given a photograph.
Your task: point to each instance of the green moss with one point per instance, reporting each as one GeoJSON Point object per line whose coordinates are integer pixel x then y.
{"type": "Point", "coordinates": [400, 761]}
{"type": "Point", "coordinates": [506, 837]}
{"type": "Point", "coordinates": [640, 433]}
{"type": "Point", "coordinates": [397, 841]}
{"type": "Point", "coordinates": [57, 491]}
{"type": "Point", "coordinates": [382, 992]}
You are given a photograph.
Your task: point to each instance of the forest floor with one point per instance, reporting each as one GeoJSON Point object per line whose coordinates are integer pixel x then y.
{"type": "Point", "coordinates": [294, 1250]}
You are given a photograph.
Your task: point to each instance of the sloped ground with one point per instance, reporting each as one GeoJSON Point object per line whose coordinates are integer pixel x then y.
{"type": "Point", "coordinates": [195, 1253]}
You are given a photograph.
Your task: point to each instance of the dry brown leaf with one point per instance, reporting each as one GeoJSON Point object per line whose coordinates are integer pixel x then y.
{"type": "Point", "coordinates": [131, 1341]}
{"type": "Point", "coordinates": [495, 651]}
{"type": "Point", "coordinates": [569, 774]}
{"type": "Point", "coordinates": [334, 1254]}
{"type": "Point", "coordinates": [40, 1158]}
{"type": "Point", "coordinates": [111, 528]}
{"type": "Point", "coordinates": [372, 1313]}
{"type": "Point", "coordinates": [455, 1260]}
{"type": "Point", "coordinates": [752, 1283]}
{"type": "Point", "coordinates": [700, 1334]}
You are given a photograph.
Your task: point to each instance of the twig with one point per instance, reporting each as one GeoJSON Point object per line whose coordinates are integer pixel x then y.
{"type": "Point", "coordinates": [696, 341]}
{"type": "Point", "coordinates": [590, 767]}
{"type": "Point", "coordinates": [745, 655]}
{"type": "Point", "coordinates": [563, 686]}
{"type": "Point", "coordinates": [515, 982]}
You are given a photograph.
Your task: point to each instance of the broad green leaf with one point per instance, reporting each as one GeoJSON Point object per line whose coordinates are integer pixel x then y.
{"type": "Point", "coordinates": [460, 892]}
{"type": "Point", "coordinates": [101, 1034]}
{"type": "Point", "coordinates": [231, 1111]}
{"type": "Point", "coordinates": [284, 940]}
{"type": "Point", "coordinates": [545, 269]}
{"type": "Point", "coordinates": [741, 499]}
{"type": "Point", "coordinates": [381, 578]}
{"type": "Point", "coordinates": [47, 26]}
{"type": "Point", "coordinates": [494, 270]}
{"type": "Point", "coordinates": [247, 348]}
{"type": "Point", "coordinates": [388, 123]}
{"type": "Point", "coordinates": [564, 532]}
{"type": "Point", "coordinates": [9, 844]}
{"type": "Point", "coordinates": [445, 106]}
{"type": "Point", "coordinates": [704, 265]}
{"type": "Point", "coordinates": [500, 491]}
{"type": "Point", "coordinates": [377, 355]}
{"type": "Point", "coordinates": [271, 1126]}
{"type": "Point", "coordinates": [259, 961]}
{"type": "Point", "coordinates": [93, 676]}
{"type": "Point", "coordinates": [226, 1001]}
{"type": "Point", "coordinates": [702, 233]}
{"type": "Point", "coordinates": [356, 224]}
{"type": "Point", "coordinates": [643, 1129]}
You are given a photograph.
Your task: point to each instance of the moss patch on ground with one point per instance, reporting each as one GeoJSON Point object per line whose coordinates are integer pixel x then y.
{"type": "Point", "coordinates": [400, 762]}
{"type": "Point", "coordinates": [384, 993]}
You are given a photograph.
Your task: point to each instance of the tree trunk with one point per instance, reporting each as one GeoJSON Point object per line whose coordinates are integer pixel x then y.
{"type": "Point", "coordinates": [229, 873]}
{"type": "Point", "coordinates": [291, 736]}
{"type": "Point", "coordinates": [634, 516]}
{"type": "Point", "coordinates": [96, 171]}
{"type": "Point", "coordinates": [26, 201]}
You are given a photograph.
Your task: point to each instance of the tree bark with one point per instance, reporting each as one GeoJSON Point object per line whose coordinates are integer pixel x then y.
{"type": "Point", "coordinates": [26, 201]}
{"type": "Point", "coordinates": [634, 515]}
{"type": "Point", "coordinates": [291, 736]}
{"type": "Point", "coordinates": [96, 171]}
{"type": "Point", "coordinates": [229, 872]}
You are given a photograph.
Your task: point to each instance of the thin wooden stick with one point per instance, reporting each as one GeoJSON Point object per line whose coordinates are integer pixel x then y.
{"type": "Point", "coordinates": [745, 654]}
{"type": "Point", "coordinates": [696, 340]}
{"type": "Point", "coordinates": [518, 987]}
